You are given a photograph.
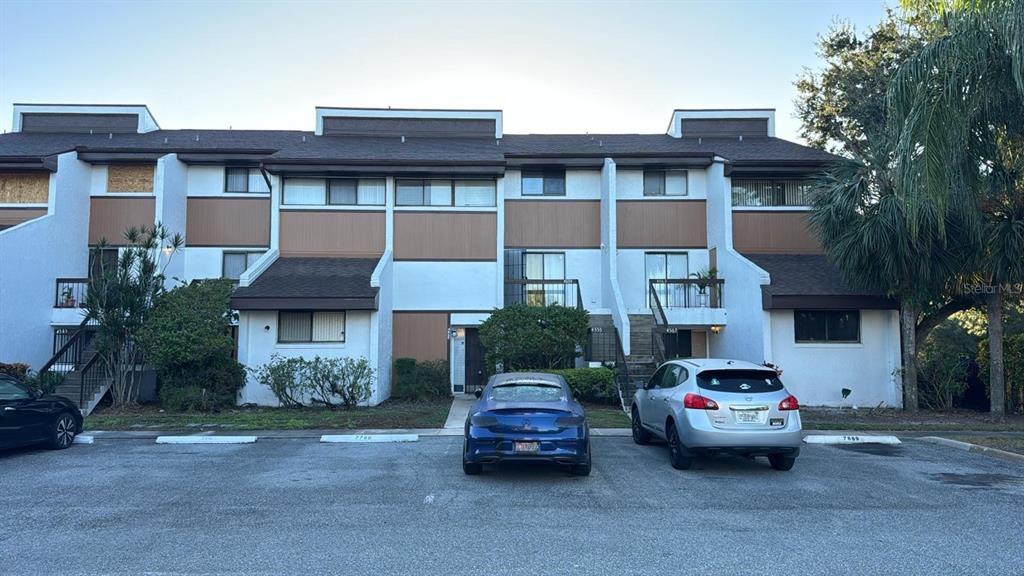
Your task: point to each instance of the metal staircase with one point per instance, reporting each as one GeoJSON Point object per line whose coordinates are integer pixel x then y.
{"type": "Point", "coordinates": [81, 375]}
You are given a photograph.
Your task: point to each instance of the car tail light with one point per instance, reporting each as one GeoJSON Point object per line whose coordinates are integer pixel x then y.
{"type": "Point", "coordinates": [483, 420]}
{"type": "Point", "coordinates": [698, 402]}
{"type": "Point", "coordinates": [789, 403]}
{"type": "Point", "coordinates": [567, 421]}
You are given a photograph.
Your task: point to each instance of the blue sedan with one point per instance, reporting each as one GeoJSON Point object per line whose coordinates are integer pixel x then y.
{"type": "Point", "coordinates": [526, 416]}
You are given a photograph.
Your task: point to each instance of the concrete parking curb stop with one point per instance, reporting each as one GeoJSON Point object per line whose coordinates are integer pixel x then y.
{"type": "Point", "coordinates": [850, 439]}
{"type": "Point", "coordinates": [967, 446]}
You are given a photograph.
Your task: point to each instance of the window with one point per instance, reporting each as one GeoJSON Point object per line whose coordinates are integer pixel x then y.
{"type": "Point", "coordinates": [545, 266]}
{"type": "Point", "coordinates": [543, 183]}
{"type": "Point", "coordinates": [654, 182]}
{"type": "Point", "coordinates": [765, 192]}
{"type": "Point", "coordinates": [434, 192]}
{"type": "Point", "coordinates": [234, 264]}
{"type": "Point", "coordinates": [102, 261]}
{"type": "Point", "coordinates": [527, 392]}
{"type": "Point", "coordinates": [333, 191]}
{"type": "Point", "coordinates": [667, 266]}
{"type": "Point", "coordinates": [11, 390]}
{"type": "Point", "coordinates": [244, 181]}
{"type": "Point", "coordinates": [815, 326]}
{"type": "Point", "coordinates": [300, 327]}
{"type": "Point", "coordinates": [739, 381]}
{"type": "Point", "coordinates": [411, 192]}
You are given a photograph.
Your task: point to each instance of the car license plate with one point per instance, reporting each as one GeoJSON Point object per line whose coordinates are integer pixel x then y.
{"type": "Point", "coordinates": [526, 447]}
{"type": "Point", "coordinates": [748, 416]}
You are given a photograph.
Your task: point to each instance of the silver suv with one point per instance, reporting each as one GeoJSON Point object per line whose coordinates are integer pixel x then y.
{"type": "Point", "coordinates": [709, 406]}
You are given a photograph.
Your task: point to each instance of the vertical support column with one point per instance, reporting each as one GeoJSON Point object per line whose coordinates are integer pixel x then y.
{"type": "Point", "coordinates": [610, 292]}
{"type": "Point", "coordinates": [499, 202]}
{"type": "Point", "coordinates": [171, 190]}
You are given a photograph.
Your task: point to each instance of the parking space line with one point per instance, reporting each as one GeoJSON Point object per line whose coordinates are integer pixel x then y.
{"type": "Point", "coordinates": [205, 439]}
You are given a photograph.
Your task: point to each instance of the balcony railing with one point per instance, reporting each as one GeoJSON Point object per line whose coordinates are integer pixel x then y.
{"type": "Point", "coordinates": [686, 293]}
{"type": "Point", "coordinates": [70, 292]}
{"type": "Point", "coordinates": [544, 293]}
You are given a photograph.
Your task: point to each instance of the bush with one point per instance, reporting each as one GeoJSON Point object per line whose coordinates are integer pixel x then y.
{"type": "Point", "coordinates": [421, 380]}
{"type": "Point", "coordinates": [944, 364]}
{"type": "Point", "coordinates": [1013, 368]}
{"type": "Point", "coordinates": [595, 385]}
{"type": "Point", "coordinates": [282, 376]}
{"type": "Point", "coordinates": [333, 382]}
{"type": "Point", "coordinates": [186, 338]}
{"type": "Point", "coordinates": [17, 370]}
{"type": "Point", "coordinates": [519, 337]}
{"type": "Point", "coordinates": [208, 387]}
{"type": "Point", "coordinates": [46, 383]}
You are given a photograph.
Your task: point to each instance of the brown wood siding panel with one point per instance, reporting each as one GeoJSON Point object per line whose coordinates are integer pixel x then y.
{"type": "Point", "coordinates": [79, 123]}
{"type": "Point", "coordinates": [332, 234]}
{"type": "Point", "coordinates": [130, 178]}
{"type": "Point", "coordinates": [24, 188]}
{"type": "Point", "coordinates": [228, 222]}
{"type": "Point", "coordinates": [446, 236]}
{"type": "Point", "coordinates": [553, 224]}
{"type": "Point", "coordinates": [110, 217]}
{"type": "Point", "coordinates": [414, 127]}
{"type": "Point", "coordinates": [773, 232]}
{"type": "Point", "coordinates": [662, 224]}
{"type": "Point", "coordinates": [419, 335]}
{"type": "Point", "coordinates": [15, 216]}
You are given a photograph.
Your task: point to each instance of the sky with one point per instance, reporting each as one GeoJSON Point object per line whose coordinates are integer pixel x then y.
{"type": "Point", "coordinates": [552, 67]}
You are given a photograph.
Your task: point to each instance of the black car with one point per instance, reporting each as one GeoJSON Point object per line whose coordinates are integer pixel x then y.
{"type": "Point", "coordinates": [28, 417]}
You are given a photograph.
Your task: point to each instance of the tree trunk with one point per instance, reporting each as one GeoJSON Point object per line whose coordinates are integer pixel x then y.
{"type": "Point", "coordinates": [908, 349]}
{"type": "Point", "coordinates": [996, 380]}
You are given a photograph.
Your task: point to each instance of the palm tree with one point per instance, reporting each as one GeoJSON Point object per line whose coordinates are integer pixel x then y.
{"type": "Point", "coordinates": [959, 126]}
{"type": "Point", "coordinates": [861, 217]}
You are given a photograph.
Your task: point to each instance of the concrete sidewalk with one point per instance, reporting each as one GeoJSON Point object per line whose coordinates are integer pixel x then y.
{"type": "Point", "coordinates": [461, 404]}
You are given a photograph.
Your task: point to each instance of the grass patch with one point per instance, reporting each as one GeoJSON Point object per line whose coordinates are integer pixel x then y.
{"type": "Point", "coordinates": [604, 416]}
{"type": "Point", "coordinates": [1008, 443]}
{"type": "Point", "coordinates": [869, 419]}
{"type": "Point", "coordinates": [390, 414]}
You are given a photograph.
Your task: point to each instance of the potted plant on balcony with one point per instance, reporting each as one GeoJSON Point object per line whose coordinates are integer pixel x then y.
{"type": "Point", "coordinates": [67, 298]}
{"type": "Point", "coordinates": [704, 279]}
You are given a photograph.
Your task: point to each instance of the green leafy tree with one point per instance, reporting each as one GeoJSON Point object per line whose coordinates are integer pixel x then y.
{"type": "Point", "coordinates": [520, 337]}
{"type": "Point", "coordinates": [186, 338]}
{"type": "Point", "coordinates": [958, 117]}
{"type": "Point", "coordinates": [119, 301]}
{"type": "Point", "coordinates": [860, 211]}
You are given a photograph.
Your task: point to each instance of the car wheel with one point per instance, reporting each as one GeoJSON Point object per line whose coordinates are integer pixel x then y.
{"type": "Point", "coordinates": [781, 461]}
{"type": "Point", "coordinates": [640, 435]}
{"type": "Point", "coordinates": [63, 433]}
{"type": "Point", "coordinates": [583, 468]}
{"type": "Point", "coordinates": [678, 455]}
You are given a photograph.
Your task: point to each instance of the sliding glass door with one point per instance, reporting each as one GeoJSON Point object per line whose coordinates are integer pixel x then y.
{"type": "Point", "coordinates": [544, 266]}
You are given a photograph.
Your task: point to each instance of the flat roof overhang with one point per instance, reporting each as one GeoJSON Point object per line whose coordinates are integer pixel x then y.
{"type": "Point", "coordinates": [405, 168]}
{"type": "Point", "coordinates": [826, 302]}
{"type": "Point", "coordinates": [28, 163]}
{"type": "Point", "coordinates": [285, 303]}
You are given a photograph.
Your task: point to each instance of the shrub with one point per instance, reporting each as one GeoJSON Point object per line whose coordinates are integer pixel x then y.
{"type": "Point", "coordinates": [1013, 368]}
{"type": "Point", "coordinates": [333, 382]}
{"type": "Point", "coordinates": [186, 338]}
{"type": "Point", "coordinates": [282, 376]}
{"type": "Point", "coordinates": [595, 385]}
{"type": "Point", "coordinates": [421, 380]}
{"type": "Point", "coordinates": [944, 364]}
{"type": "Point", "coordinates": [17, 370]}
{"type": "Point", "coordinates": [46, 383]}
{"type": "Point", "coordinates": [519, 337]}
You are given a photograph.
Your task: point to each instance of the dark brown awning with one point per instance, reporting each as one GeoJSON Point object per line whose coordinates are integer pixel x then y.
{"type": "Point", "coordinates": [311, 284]}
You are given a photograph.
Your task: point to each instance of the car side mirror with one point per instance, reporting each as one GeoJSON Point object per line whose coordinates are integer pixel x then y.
{"type": "Point", "coordinates": [35, 393]}
{"type": "Point", "coordinates": [478, 393]}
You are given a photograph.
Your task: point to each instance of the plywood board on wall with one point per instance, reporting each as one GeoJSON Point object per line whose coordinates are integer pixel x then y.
{"type": "Point", "coordinates": [24, 188]}
{"type": "Point", "coordinates": [130, 178]}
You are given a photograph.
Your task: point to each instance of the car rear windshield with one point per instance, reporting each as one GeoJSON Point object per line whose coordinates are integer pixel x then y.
{"type": "Point", "coordinates": [526, 392]}
{"type": "Point", "coordinates": [741, 381]}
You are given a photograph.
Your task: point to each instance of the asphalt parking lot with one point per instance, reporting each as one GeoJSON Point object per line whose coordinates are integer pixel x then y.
{"type": "Point", "coordinates": [299, 507]}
